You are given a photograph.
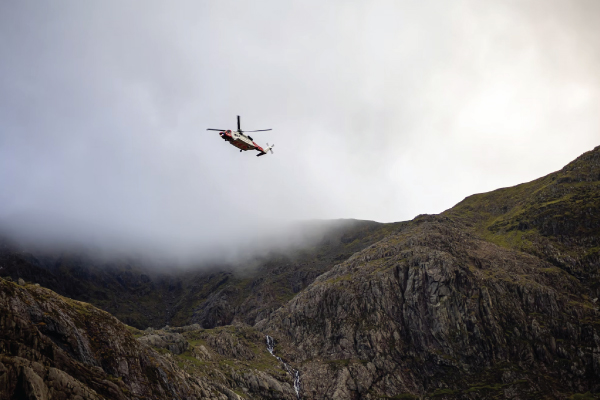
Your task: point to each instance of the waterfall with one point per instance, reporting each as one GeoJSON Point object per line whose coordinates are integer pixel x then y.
{"type": "Point", "coordinates": [294, 373]}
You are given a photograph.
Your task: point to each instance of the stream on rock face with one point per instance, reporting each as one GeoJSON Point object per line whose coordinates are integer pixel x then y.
{"type": "Point", "coordinates": [294, 373]}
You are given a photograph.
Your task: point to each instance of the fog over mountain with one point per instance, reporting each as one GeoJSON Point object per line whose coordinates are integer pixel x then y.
{"type": "Point", "coordinates": [380, 110]}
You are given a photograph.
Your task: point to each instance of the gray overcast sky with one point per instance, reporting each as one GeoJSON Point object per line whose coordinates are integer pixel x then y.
{"type": "Point", "coordinates": [381, 110]}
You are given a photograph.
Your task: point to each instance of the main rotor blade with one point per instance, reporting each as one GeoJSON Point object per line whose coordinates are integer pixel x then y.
{"type": "Point", "coordinates": [218, 130]}
{"type": "Point", "coordinates": [239, 129]}
{"type": "Point", "coordinates": [260, 130]}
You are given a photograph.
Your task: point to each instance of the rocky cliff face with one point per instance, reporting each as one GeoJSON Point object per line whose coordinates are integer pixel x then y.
{"type": "Point", "coordinates": [53, 347]}
{"type": "Point", "coordinates": [432, 310]}
{"type": "Point", "coordinates": [496, 297]}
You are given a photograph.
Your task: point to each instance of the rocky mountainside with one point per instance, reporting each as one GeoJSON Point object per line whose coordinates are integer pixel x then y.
{"type": "Point", "coordinates": [494, 298]}
{"type": "Point", "coordinates": [434, 310]}
{"type": "Point", "coordinates": [53, 347]}
{"type": "Point", "coordinates": [555, 218]}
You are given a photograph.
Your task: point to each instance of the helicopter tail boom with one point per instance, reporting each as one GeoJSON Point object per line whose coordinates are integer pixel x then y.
{"type": "Point", "coordinates": [266, 150]}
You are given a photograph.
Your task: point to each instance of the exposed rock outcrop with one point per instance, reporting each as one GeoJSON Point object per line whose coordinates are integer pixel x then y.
{"type": "Point", "coordinates": [173, 342]}
{"type": "Point", "coordinates": [434, 307]}
{"type": "Point", "coordinates": [53, 347]}
{"type": "Point", "coordinates": [494, 297]}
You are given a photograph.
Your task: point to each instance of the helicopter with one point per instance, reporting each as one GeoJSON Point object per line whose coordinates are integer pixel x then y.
{"type": "Point", "coordinates": [242, 141]}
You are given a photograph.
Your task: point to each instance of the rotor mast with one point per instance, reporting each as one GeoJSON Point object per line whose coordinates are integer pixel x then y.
{"type": "Point", "coordinates": [239, 128]}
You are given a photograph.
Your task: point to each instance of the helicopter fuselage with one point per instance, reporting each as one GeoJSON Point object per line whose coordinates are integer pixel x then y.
{"type": "Point", "coordinates": [240, 141]}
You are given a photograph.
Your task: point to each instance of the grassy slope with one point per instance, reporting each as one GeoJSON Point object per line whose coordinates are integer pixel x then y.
{"type": "Point", "coordinates": [556, 217]}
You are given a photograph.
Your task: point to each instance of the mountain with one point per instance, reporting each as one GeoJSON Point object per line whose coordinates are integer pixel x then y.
{"type": "Point", "coordinates": [496, 297]}
{"type": "Point", "coordinates": [555, 218]}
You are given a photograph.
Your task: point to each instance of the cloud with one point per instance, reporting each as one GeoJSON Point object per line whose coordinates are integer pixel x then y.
{"type": "Point", "coordinates": [380, 111]}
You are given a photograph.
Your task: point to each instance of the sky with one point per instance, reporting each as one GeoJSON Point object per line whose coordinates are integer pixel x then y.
{"type": "Point", "coordinates": [380, 110]}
